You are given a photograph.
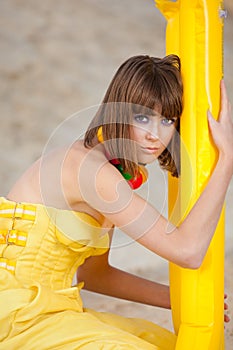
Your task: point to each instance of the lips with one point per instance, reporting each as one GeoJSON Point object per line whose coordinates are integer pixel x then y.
{"type": "Point", "coordinates": [150, 149]}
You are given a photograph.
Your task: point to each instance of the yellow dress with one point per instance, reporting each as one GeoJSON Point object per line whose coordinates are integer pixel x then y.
{"type": "Point", "coordinates": [40, 250]}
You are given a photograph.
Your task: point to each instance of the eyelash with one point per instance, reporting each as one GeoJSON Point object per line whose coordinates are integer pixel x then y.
{"type": "Point", "coordinates": [139, 118]}
{"type": "Point", "coordinates": [168, 121]}
{"type": "Point", "coordinates": [164, 121]}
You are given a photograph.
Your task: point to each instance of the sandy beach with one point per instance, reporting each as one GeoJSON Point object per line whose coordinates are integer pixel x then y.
{"type": "Point", "coordinates": [57, 58]}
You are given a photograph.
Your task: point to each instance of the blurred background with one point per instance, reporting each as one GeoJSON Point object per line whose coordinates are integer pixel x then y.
{"type": "Point", "coordinates": [57, 58]}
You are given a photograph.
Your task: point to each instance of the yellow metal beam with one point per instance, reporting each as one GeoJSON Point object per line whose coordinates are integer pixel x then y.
{"type": "Point", "coordinates": [194, 33]}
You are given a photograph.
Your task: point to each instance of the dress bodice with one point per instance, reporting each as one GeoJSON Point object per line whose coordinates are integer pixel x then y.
{"type": "Point", "coordinates": [45, 244]}
{"type": "Point", "coordinates": [40, 249]}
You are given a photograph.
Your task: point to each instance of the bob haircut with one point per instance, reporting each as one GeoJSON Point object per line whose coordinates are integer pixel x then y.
{"type": "Point", "coordinates": [141, 84]}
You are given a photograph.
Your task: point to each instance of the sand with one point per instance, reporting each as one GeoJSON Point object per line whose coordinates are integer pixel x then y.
{"type": "Point", "coordinates": [57, 58]}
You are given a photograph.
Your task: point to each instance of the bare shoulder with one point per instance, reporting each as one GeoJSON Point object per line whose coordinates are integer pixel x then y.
{"type": "Point", "coordinates": [86, 172]}
{"type": "Point", "coordinates": [96, 175]}
{"type": "Point", "coordinates": [80, 160]}
{"type": "Point", "coordinates": [69, 178]}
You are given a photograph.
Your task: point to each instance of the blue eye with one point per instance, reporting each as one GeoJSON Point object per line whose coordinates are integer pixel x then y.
{"type": "Point", "coordinates": [167, 122]}
{"type": "Point", "coordinates": [141, 118]}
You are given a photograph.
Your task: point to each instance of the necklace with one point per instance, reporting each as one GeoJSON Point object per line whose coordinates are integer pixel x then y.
{"type": "Point", "coordinates": [134, 181]}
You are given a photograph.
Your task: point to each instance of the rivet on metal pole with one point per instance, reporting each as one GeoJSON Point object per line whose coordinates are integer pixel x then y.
{"type": "Point", "coordinates": [223, 13]}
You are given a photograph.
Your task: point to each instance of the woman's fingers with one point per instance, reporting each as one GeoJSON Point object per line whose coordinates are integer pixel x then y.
{"type": "Point", "coordinates": [225, 105]}
{"type": "Point", "coordinates": [222, 130]}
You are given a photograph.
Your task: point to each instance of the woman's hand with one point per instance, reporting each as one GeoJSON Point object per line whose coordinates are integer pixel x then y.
{"type": "Point", "coordinates": [222, 130]}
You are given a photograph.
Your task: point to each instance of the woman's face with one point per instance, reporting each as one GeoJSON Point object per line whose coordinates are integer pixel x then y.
{"type": "Point", "coordinates": [152, 134]}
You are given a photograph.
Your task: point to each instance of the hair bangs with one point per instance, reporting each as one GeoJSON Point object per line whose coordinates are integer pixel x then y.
{"type": "Point", "coordinates": [147, 97]}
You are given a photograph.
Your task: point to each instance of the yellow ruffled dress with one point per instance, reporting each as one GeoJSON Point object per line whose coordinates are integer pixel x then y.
{"type": "Point", "coordinates": [40, 250]}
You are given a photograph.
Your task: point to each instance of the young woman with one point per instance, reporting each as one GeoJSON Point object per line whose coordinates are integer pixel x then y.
{"type": "Point", "coordinates": [60, 216]}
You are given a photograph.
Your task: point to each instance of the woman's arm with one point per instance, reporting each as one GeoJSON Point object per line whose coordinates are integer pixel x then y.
{"type": "Point", "coordinates": [187, 244]}
{"type": "Point", "coordinates": [100, 277]}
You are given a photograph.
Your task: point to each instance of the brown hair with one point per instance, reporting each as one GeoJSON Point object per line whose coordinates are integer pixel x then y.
{"type": "Point", "coordinates": [140, 82]}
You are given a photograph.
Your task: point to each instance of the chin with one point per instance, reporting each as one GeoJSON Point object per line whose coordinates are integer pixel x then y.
{"type": "Point", "coordinates": [147, 159]}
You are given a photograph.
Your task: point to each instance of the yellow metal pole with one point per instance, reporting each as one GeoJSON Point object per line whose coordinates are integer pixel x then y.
{"type": "Point", "coordinates": [194, 32]}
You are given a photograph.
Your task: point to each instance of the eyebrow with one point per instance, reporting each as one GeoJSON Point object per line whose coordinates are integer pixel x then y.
{"type": "Point", "coordinates": [154, 114]}
{"type": "Point", "coordinates": [148, 113]}
{"type": "Point", "coordinates": [157, 114]}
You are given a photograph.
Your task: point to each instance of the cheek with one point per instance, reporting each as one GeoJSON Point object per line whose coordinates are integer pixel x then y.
{"type": "Point", "coordinates": [136, 133]}
{"type": "Point", "coordinates": [166, 135]}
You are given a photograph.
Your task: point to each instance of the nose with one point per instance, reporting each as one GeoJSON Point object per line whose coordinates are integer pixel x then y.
{"type": "Point", "coordinates": [153, 132]}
